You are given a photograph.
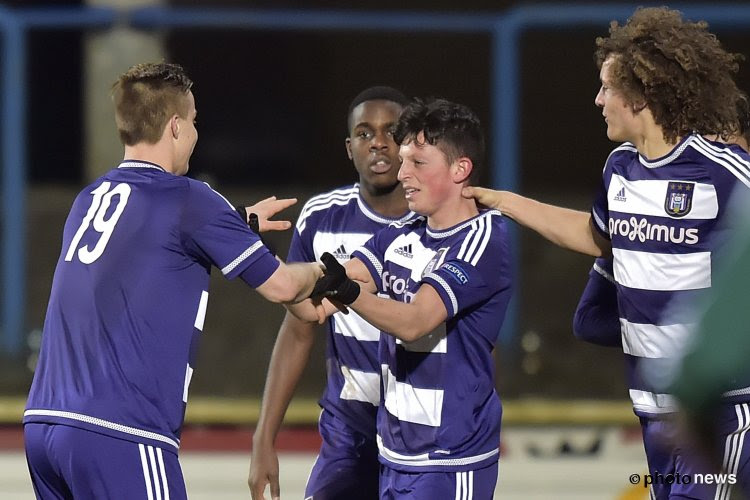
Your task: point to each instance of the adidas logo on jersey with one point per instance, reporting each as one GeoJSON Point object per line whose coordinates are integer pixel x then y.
{"type": "Point", "coordinates": [405, 251]}
{"type": "Point", "coordinates": [620, 196]}
{"type": "Point", "coordinates": [341, 253]}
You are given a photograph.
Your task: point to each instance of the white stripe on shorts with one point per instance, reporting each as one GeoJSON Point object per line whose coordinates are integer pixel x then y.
{"type": "Point", "coordinates": [146, 474]}
{"type": "Point", "coordinates": [154, 472]}
{"type": "Point", "coordinates": [733, 450]}
{"type": "Point", "coordinates": [465, 485]}
{"type": "Point", "coordinates": [164, 483]}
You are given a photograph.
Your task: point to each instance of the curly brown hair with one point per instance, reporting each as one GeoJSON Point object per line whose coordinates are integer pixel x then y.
{"type": "Point", "coordinates": [677, 68]}
{"type": "Point", "coordinates": [146, 96]}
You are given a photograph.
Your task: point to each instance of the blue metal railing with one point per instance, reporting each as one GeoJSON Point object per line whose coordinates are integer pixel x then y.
{"type": "Point", "coordinates": [15, 24]}
{"type": "Point", "coordinates": [506, 72]}
{"type": "Point", "coordinates": [505, 30]}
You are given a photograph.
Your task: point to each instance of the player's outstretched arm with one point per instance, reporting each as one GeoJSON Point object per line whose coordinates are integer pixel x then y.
{"type": "Point", "coordinates": [265, 209]}
{"type": "Point", "coordinates": [406, 321]}
{"type": "Point", "coordinates": [317, 309]}
{"type": "Point", "coordinates": [571, 229]}
{"type": "Point", "coordinates": [288, 360]}
{"type": "Point", "coordinates": [291, 283]}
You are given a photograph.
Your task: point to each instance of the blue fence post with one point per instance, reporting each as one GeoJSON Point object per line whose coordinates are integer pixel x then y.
{"type": "Point", "coordinates": [13, 183]}
{"type": "Point", "coordinates": [505, 135]}
{"type": "Point", "coordinates": [15, 25]}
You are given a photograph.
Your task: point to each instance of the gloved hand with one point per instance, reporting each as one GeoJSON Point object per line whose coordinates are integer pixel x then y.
{"type": "Point", "coordinates": [253, 222]}
{"type": "Point", "coordinates": [334, 283]}
{"type": "Point", "coordinates": [252, 218]}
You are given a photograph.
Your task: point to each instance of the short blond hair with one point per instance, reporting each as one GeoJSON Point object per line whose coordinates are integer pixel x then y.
{"type": "Point", "coordinates": [146, 96]}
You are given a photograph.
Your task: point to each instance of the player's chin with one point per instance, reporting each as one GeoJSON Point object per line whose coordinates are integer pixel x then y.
{"type": "Point", "coordinates": [413, 206]}
{"type": "Point", "coordinates": [383, 182]}
{"type": "Point", "coordinates": [614, 135]}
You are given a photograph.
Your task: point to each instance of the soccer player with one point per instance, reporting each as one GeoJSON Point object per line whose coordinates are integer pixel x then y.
{"type": "Point", "coordinates": [128, 303]}
{"type": "Point", "coordinates": [439, 416]}
{"type": "Point", "coordinates": [338, 222]}
{"type": "Point", "coordinates": [661, 212]}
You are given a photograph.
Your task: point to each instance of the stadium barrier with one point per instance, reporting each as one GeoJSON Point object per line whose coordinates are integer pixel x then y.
{"type": "Point", "coordinates": [505, 29]}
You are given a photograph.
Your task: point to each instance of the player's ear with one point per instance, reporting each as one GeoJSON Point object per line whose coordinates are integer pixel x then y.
{"type": "Point", "coordinates": [174, 125]}
{"type": "Point", "coordinates": [462, 170]}
{"type": "Point", "coordinates": [348, 144]}
{"type": "Point", "coordinates": [638, 106]}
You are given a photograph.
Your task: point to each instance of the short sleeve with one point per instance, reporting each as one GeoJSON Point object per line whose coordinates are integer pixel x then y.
{"type": "Point", "coordinates": [372, 254]}
{"type": "Point", "coordinates": [600, 208]}
{"type": "Point", "coordinates": [465, 280]}
{"type": "Point", "coordinates": [301, 249]}
{"type": "Point", "coordinates": [213, 233]}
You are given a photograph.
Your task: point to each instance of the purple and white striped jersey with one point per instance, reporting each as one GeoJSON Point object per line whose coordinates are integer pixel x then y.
{"type": "Point", "coordinates": [129, 299]}
{"type": "Point", "coordinates": [338, 222]}
{"type": "Point", "coordinates": [439, 410]}
{"type": "Point", "coordinates": [667, 220]}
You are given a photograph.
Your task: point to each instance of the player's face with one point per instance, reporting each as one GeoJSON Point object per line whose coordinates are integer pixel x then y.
{"type": "Point", "coordinates": [187, 138]}
{"type": "Point", "coordinates": [371, 147]}
{"type": "Point", "coordinates": [425, 175]}
{"type": "Point", "coordinates": [618, 114]}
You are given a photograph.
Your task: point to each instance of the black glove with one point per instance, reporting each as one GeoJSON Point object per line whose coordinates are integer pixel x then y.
{"type": "Point", "coordinates": [251, 219]}
{"type": "Point", "coordinates": [334, 283]}
{"type": "Point", "coordinates": [254, 225]}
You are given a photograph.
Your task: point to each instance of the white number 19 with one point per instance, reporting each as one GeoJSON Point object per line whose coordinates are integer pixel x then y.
{"type": "Point", "coordinates": [97, 210]}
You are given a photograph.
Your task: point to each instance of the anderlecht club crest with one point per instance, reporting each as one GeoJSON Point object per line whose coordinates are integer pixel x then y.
{"type": "Point", "coordinates": [679, 198]}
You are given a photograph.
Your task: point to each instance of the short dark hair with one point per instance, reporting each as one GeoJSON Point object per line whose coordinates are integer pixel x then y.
{"type": "Point", "coordinates": [454, 128]}
{"type": "Point", "coordinates": [376, 93]}
{"type": "Point", "coordinates": [146, 96]}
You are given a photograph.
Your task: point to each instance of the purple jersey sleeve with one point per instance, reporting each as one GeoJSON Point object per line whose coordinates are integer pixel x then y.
{"type": "Point", "coordinates": [600, 208]}
{"type": "Point", "coordinates": [215, 234]}
{"type": "Point", "coordinates": [301, 248]}
{"type": "Point", "coordinates": [371, 254]}
{"type": "Point", "coordinates": [731, 185]}
{"type": "Point", "coordinates": [597, 318]}
{"type": "Point", "coordinates": [465, 281]}
{"type": "Point", "coordinates": [600, 211]}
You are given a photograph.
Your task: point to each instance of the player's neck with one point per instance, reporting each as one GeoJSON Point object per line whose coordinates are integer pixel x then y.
{"type": "Point", "coordinates": [649, 140]}
{"type": "Point", "coordinates": [152, 153]}
{"type": "Point", "coordinates": [653, 147]}
{"type": "Point", "coordinates": [388, 203]}
{"type": "Point", "coordinates": [453, 212]}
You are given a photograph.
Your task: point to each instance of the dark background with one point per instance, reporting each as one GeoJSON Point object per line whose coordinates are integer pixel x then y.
{"type": "Point", "coordinates": [272, 115]}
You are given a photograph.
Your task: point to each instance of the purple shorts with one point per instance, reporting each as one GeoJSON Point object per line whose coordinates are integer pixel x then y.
{"type": "Point", "coordinates": [347, 466]}
{"type": "Point", "coordinates": [66, 462]}
{"type": "Point", "coordinates": [468, 485]}
{"type": "Point", "coordinates": [679, 471]}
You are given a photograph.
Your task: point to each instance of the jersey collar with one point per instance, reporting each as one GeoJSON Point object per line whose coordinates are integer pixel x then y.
{"type": "Point", "coordinates": [139, 164]}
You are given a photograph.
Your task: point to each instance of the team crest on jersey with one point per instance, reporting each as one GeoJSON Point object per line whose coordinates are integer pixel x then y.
{"type": "Point", "coordinates": [679, 198]}
{"type": "Point", "coordinates": [435, 261]}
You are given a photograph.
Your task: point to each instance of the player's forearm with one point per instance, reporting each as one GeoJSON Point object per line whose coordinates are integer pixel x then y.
{"type": "Point", "coordinates": [288, 360]}
{"type": "Point", "coordinates": [407, 322]}
{"type": "Point", "coordinates": [302, 278]}
{"type": "Point", "coordinates": [290, 283]}
{"type": "Point", "coordinates": [306, 275]}
{"type": "Point", "coordinates": [564, 227]}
